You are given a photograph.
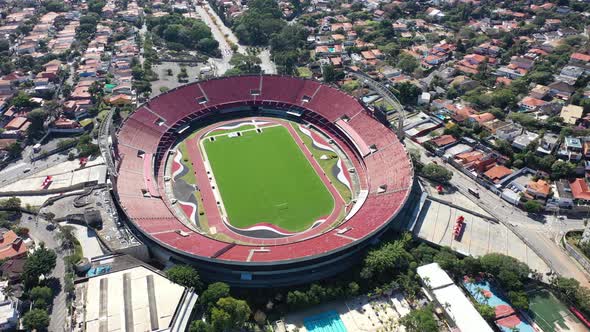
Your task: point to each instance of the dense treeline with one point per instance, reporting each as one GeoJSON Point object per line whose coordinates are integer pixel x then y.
{"type": "Point", "coordinates": [183, 33]}
{"type": "Point", "coordinates": [262, 25]}
{"type": "Point", "coordinates": [259, 22]}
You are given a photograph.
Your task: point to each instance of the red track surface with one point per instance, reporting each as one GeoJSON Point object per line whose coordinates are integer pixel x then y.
{"type": "Point", "coordinates": [386, 172]}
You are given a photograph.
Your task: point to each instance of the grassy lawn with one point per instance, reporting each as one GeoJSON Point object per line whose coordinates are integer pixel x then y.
{"type": "Point", "coordinates": [326, 165]}
{"type": "Point", "coordinates": [304, 72]}
{"type": "Point", "coordinates": [227, 131]}
{"type": "Point", "coordinates": [385, 104]}
{"type": "Point", "coordinates": [266, 178]}
{"type": "Point", "coordinates": [189, 177]}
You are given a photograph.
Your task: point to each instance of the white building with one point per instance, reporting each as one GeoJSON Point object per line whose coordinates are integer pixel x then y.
{"type": "Point", "coordinates": [8, 309]}
{"type": "Point", "coordinates": [441, 289]}
{"type": "Point", "coordinates": [120, 293]}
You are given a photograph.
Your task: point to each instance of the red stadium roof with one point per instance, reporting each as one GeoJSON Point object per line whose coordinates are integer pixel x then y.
{"type": "Point", "coordinates": [150, 131]}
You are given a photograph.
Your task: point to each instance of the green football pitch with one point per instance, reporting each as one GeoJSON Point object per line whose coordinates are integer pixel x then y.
{"type": "Point", "coordinates": [264, 177]}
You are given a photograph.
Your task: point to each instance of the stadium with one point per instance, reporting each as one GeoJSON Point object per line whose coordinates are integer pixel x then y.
{"type": "Point", "coordinates": [260, 180]}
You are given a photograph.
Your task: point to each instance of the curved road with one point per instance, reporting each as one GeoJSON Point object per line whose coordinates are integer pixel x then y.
{"type": "Point", "coordinates": [541, 238]}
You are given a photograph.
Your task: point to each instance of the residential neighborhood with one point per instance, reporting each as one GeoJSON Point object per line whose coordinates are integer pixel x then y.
{"type": "Point", "coordinates": [286, 165]}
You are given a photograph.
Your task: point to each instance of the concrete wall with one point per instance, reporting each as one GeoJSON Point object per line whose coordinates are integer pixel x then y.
{"type": "Point", "coordinates": [578, 256]}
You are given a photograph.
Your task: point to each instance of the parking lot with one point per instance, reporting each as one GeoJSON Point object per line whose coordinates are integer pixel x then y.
{"type": "Point", "coordinates": [480, 236]}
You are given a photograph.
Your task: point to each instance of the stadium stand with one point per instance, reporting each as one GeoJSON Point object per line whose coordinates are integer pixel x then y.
{"type": "Point", "coordinates": [144, 139]}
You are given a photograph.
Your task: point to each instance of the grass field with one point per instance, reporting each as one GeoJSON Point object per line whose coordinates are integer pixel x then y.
{"type": "Point", "coordinates": [266, 178]}
{"type": "Point", "coordinates": [326, 164]}
{"type": "Point", "coordinates": [550, 314]}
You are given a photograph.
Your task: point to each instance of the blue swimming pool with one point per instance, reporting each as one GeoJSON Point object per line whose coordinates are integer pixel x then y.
{"type": "Point", "coordinates": [325, 322]}
{"type": "Point", "coordinates": [484, 293]}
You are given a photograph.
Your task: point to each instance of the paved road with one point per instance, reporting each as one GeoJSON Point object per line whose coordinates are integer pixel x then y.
{"type": "Point", "coordinates": [541, 237]}
{"type": "Point", "coordinates": [15, 171]}
{"type": "Point", "coordinates": [219, 32]}
{"type": "Point", "coordinates": [222, 34]}
{"type": "Point", "coordinates": [267, 65]}
{"type": "Point", "coordinates": [40, 234]}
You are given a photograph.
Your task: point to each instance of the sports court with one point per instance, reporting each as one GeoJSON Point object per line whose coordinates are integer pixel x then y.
{"type": "Point", "coordinates": [550, 314]}
{"type": "Point", "coordinates": [264, 177]}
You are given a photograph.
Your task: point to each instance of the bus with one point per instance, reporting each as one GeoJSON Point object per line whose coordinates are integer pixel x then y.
{"type": "Point", "coordinates": [473, 192]}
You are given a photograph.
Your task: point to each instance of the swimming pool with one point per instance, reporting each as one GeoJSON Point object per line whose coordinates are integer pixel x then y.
{"type": "Point", "coordinates": [325, 322]}
{"type": "Point", "coordinates": [507, 319]}
{"type": "Point", "coordinates": [484, 293]}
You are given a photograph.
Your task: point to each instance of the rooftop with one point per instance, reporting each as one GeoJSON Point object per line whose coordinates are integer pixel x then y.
{"type": "Point", "coordinates": [122, 293]}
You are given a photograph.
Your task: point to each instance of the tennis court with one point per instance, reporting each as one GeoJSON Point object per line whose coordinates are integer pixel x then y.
{"type": "Point", "coordinates": [550, 314]}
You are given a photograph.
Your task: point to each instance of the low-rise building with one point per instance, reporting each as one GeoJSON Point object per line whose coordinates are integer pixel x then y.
{"type": "Point", "coordinates": [457, 307]}
{"type": "Point", "coordinates": [538, 189]}
{"type": "Point", "coordinates": [120, 292]}
{"type": "Point", "coordinates": [497, 173]}
{"type": "Point", "coordinates": [571, 114]}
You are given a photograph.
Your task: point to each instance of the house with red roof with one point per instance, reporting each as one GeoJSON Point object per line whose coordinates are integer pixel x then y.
{"type": "Point", "coordinates": [11, 245]}
{"type": "Point", "coordinates": [580, 190]}
{"type": "Point", "coordinates": [497, 173]}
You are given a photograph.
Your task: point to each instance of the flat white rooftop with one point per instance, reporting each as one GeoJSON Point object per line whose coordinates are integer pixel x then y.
{"type": "Point", "coordinates": [135, 299]}
{"type": "Point", "coordinates": [452, 299]}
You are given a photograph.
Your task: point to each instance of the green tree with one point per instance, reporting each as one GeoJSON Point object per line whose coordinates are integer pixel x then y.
{"type": "Point", "coordinates": [15, 150]}
{"type": "Point", "coordinates": [37, 118]}
{"type": "Point", "coordinates": [407, 93]}
{"type": "Point", "coordinates": [562, 169]}
{"type": "Point", "coordinates": [213, 293]}
{"type": "Point", "coordinates": [36, 319]}
{"type": "Point", "coordinates": [22, 99]}
{"type": "Point", "coordinates": [40, 262]}
{"type": "Point", "coordinates": [200, 326]}
{"type": "Point", "coordinates": [231, 313]}
{"type": "Point", "coordinates": [519, 299]}
{"type": "Point", "coordinates": [533, 206]}
{"type": "Point", "coordinates": [504, 147]}
{"type": "Point", "coordinates": [330, 74]}
{"type": "Point", "coordinates": [407, 63]}
{"type": "Point", "coordinates": [41, 296]}
{"type": "Point", "coordinates": [186, 276]}
{"type": "Point", "coordinates": [420, 320]}
{"type": "Point", "coordinates": [382, 263]}
{"type": "Point", "coordinates": [12, 203]}
{"type": "Point", "coordinates": [259, 22]}
{"type": "Point", "coordinates": [436, 173]}
{"type": "Point", "coordinates": [220, 320]}
{"type": "Point", "coordinates": [244, 64]}
{"type": "Point", "coordinates": [486, 311]}
{"type": "Point", "coordinates": [508, 270]}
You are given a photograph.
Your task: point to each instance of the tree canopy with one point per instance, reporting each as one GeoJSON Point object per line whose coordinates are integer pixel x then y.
{"type": "Point", "coordinates": [40, 262]}
{"type": "Point", "coordinates": [213, 293]}
{"type": "Point", "coordinates": [186, 276]}
{"type": "Point", "coordinates": [181, 32]}
{"type": "Point", "coordinates": [259, 22]}
{"type": "Point", "coordinates": [36, 319]}
{"type": "Point", "coordinates": [436, 173]}
{"type": "Point", "coordinates": [420, 320]}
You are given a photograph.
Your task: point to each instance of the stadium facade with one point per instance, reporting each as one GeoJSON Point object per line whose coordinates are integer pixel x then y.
{"type": "Point", "coordinates": [144, 146]}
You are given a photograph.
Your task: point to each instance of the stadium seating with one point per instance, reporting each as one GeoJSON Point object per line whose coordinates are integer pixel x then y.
{"type": "Point", "coordinates": [273, 89]}
{"type": "Point", "coordinates": [372, 133]}
{"type": "Point", "coordinates": [230, 89]}
{"type": "Point", "coordinates": [150, 131]}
